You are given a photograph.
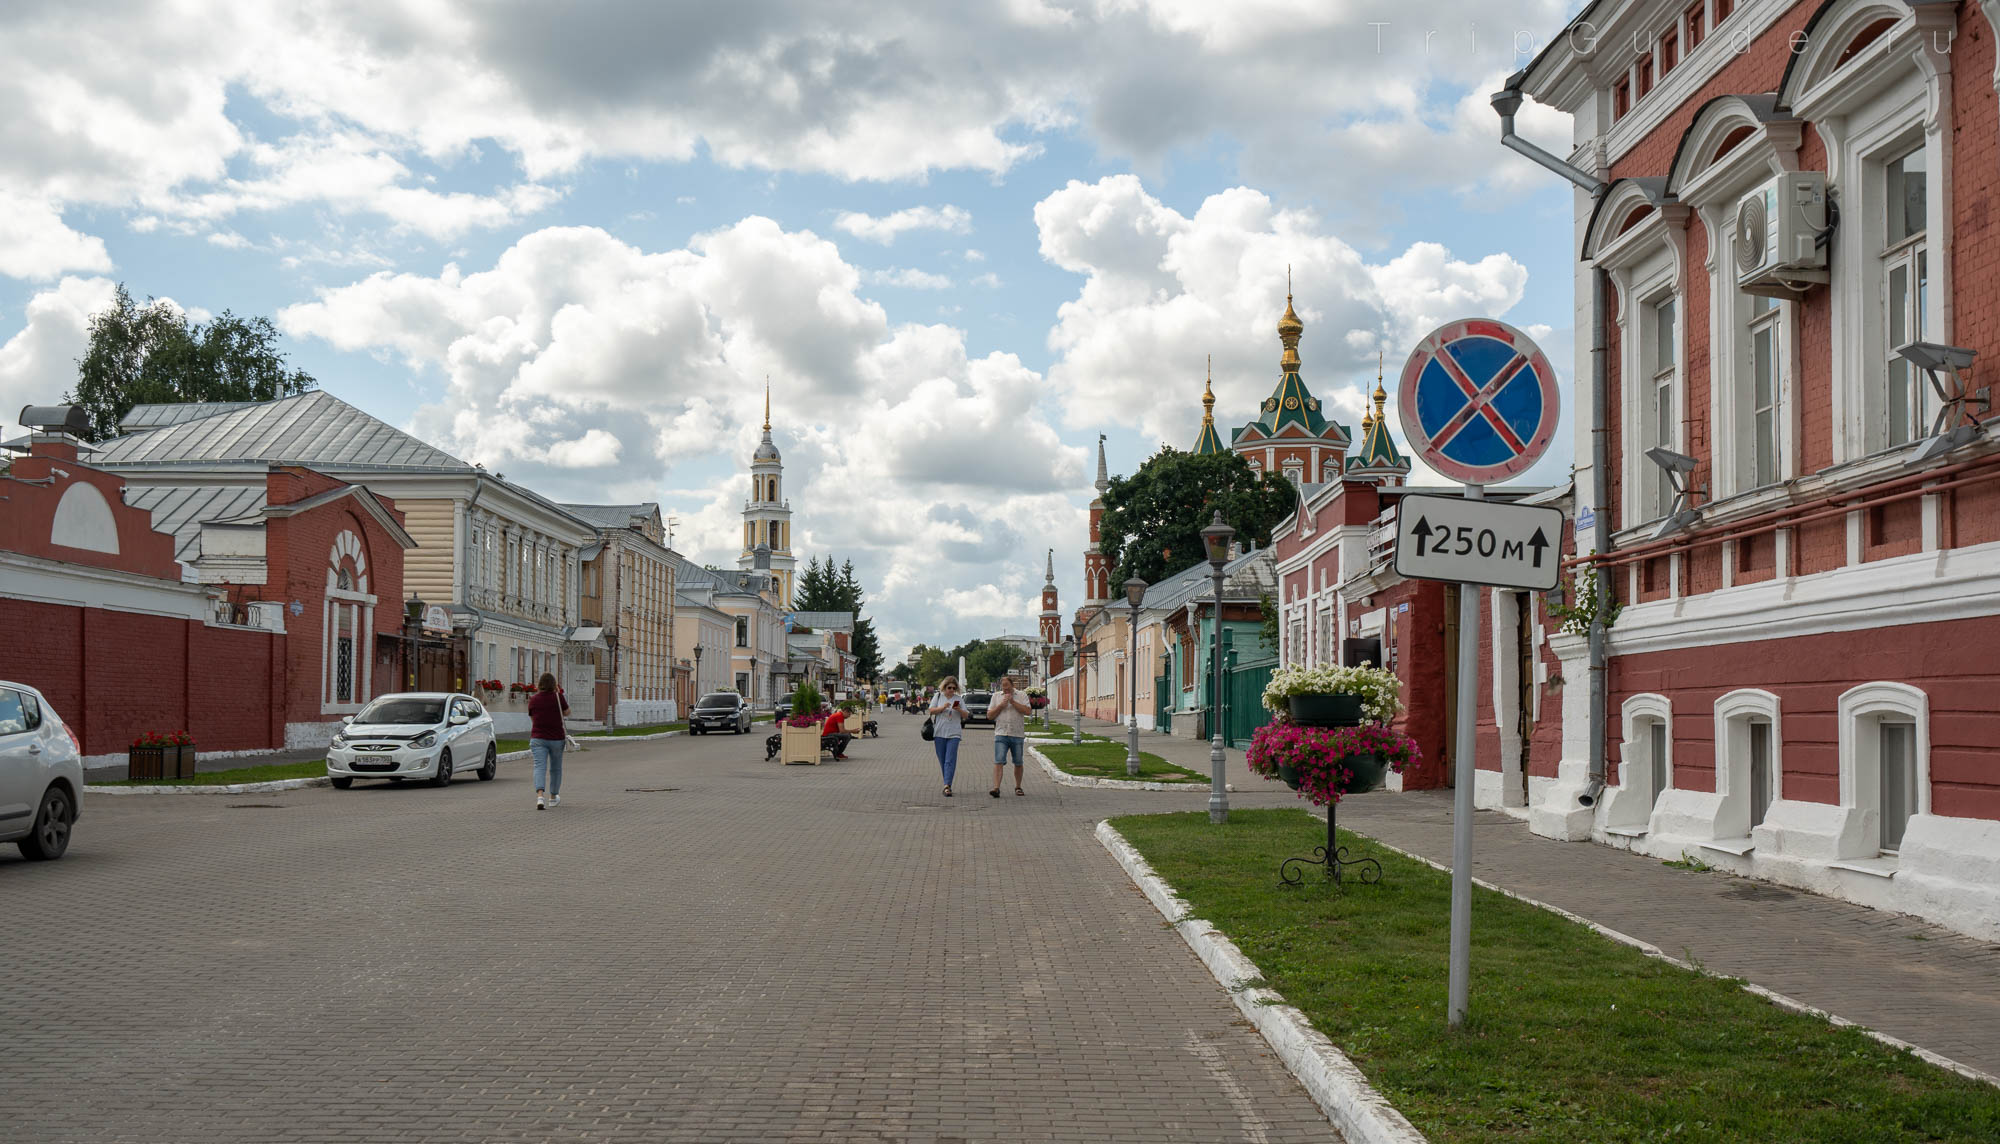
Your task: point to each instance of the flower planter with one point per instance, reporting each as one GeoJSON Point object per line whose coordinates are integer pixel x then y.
{"type": "Point", "coordinates": [1336, 710]}
{"type": "Point", "coordinates": [168, 762]}
{"type": "Point", "coordinates": [1289, 775]}
{"type": "Point", "coordinates": [1367, 772]}
{"type": "Point", "coordinates": [799, 744]}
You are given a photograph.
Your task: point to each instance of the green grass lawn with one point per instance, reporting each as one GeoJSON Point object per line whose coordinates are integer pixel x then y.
{"type": "Point", "coordinates": [1106, 760]}
{"type": "Point", "coordinates": [316, 769]}
{"type": "Point", "coordinates": [649, 729]}
{"type": "Point", "coordinates": [1570, 1037]}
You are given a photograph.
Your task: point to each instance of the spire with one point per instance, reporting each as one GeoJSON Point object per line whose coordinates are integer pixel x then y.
{"type": "Point", "coordinates": [1289, 327]}
{"type": "Point", "coordinates": [767, 403]}
{"type": "Point", "coordinates": [1049, 577]}
{"type": "Point", "coordinates": [1381, 395]}
{"type": "Point", "coordinates": [1208, 441]}
{"type": "Point", "coordinates": [1103, 473]}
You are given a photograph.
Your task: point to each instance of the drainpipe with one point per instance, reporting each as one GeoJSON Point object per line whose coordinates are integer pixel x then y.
{"type": "Point", "coordinates": [1505, 103]}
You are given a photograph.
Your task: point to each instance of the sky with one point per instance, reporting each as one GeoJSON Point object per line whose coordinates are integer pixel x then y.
{"type": "Point", "coordinates": [961, 240]}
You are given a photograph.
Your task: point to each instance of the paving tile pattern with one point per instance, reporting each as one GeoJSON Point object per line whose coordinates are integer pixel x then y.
{"type": "Point", "coordinates": [698, 945]}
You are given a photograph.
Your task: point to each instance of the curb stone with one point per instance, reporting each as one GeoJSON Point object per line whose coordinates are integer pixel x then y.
{"type": "Point", "coordinates": [249, 788]}
{"type": "Point", "coordinates": [1362, 1114]}
{"type": "Point", "coordinates": [1782, 1001]}
{"type": "Point", "coordinates": [1064, 778]}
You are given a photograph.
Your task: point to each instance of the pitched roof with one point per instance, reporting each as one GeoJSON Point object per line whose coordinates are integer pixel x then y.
{"type": "Point", "coordinates": [315, 429]}
{"type": "Point", "coordinates": [613, 515]}
{"type": "Point", "coordinates": [181, 509]}
{"type": "Point", "coordinates": [828, 621]}
{"type": "Point", "coordinates": [143, 417]}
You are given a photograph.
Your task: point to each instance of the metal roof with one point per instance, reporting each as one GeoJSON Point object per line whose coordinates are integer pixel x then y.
{"type": "Point", "coordinates": [143, 417]}
{"type": "Point", "coordinates": [828, 621]}
{"type": "Point", "coordinates": [315, 429]}
{"type": "Point", "coordinates": [181, 510]}
{"type": "Point", "coordinates": [612, 515]}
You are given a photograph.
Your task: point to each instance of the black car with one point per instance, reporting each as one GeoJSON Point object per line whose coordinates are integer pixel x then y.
{"type": "Point", "coordinates": [976, 703]}
{"type": "Point", "coordinates": [720, 711]}
{"type": "Point", "coordinates": [784, 710]}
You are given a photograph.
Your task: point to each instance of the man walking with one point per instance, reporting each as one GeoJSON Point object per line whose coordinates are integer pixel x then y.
{"type": "Point", "coordinates": [1009, 712]}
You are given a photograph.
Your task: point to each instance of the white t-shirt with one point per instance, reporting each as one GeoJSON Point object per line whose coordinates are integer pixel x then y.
{"type": "Point", "coordinates": [1008, 720]}
{"type": "Point", "coordinates": [947, 717]}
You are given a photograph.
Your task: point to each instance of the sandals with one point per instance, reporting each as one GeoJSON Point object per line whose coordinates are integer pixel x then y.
{"type": "Point", "coordinates": [1018, 791]}
{"type": "Point", "coordinates": [995, 792]}
{"type": "Point", "coordinates": [947, 792]}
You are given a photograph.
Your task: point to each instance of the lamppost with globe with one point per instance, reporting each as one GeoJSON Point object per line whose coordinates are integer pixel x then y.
{"type": "Point", "coordinates": [1078, 627]}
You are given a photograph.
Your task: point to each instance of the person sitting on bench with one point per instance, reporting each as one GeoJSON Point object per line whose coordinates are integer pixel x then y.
{"type": "Point", "coordinates": [833, 734]}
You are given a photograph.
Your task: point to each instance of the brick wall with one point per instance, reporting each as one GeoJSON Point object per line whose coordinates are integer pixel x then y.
{"type": "Point", "coordinates": [116, 675]}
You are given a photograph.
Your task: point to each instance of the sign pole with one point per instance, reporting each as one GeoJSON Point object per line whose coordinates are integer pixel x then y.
{"type": "Point", "coordinates": [1461, 820]}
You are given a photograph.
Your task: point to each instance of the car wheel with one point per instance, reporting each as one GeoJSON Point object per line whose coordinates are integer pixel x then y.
{"type": "Point", "coordinates": [443, 775]}
{"type": "Point", "coordinates": [50, 837]}
{"type": "Point", "coordinates": [492, 766]}
{"type": "Point", "coordinates": [342, 782]}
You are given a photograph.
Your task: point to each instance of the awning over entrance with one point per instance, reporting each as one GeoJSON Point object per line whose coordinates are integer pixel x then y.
{"type": "Point", "coordinates": [592, 636]}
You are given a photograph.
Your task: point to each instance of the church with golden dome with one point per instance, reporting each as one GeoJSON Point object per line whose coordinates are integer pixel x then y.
{"type": "Point", "coordinates": [1292, 437]}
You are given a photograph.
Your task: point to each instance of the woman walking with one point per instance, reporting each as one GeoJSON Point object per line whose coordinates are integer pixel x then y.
{"type": "Point", "coordinates": [947, 725]}
{"type": "Point", "coordinates": [546, 739]}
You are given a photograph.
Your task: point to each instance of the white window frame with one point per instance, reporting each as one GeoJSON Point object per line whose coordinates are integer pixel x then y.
{"type": "Point", "coordinates": [1862, 710]}
{"type": "Point", "coordinates": [1661, 404]}
{"type": "Point", "coordinates": [1635, 754]}
{"type": "Point", "coordinates": [1893, 93]}
{"type": "Point", "coordinates": [1911, 256]}
{"type": "Point", "coordinates": [1646, 262]}
{"type": "Point", "coordinates": [1734, 783]}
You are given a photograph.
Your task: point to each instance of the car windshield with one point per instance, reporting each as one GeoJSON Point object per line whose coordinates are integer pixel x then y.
{"type": "Point", "coordinates": [403, 709]}
{"type": "Point", "coordinates": [717, 702]}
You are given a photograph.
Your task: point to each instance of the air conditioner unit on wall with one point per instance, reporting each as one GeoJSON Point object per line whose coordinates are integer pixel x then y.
{"type": "Point", "coordinates": [1779, 228]}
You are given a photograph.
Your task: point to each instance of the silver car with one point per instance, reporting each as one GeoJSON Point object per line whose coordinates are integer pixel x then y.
{"type": "Point", "coordinates": [429, 735]}
{"type": "Point", "coordinates": [41, 774]}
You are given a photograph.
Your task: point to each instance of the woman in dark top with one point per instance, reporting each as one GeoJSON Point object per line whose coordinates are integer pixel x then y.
{"type": "Point", "coordinates": [546, 708]}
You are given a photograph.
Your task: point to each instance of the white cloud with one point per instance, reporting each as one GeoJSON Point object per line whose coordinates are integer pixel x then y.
{"type": "Point", "coordinates": [909, 278]}
{"type": "Point", "coordinates": [36, 243]}
{"type": "Point", "coordinates": [1162, 291]}
{"type": "Point", "coordinates": [590, 369]}
{"type": "Point", "coordinates": [38, 364]}
{"type": "Point", "coordinates": [989, 279]}
{"type": "Point", "coordinates": [948, 218]}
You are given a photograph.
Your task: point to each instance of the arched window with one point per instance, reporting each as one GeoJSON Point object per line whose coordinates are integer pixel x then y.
{"type": "Point", "coordinates": [347, 617]}
{"type": "Point", "coordinates": [1885, 748]}
{"type": "Point", "coordinates": [1646, 768]}
{"type": "Point", "coordinates": [1748, 774]}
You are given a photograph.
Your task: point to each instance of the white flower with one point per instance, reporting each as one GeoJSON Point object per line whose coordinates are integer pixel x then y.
{"type": "Point", "coordinates": [1379, 689]}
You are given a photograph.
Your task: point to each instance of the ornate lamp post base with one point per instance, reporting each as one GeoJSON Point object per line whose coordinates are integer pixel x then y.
{"type": "Point", "coordinates": [1291, 872]}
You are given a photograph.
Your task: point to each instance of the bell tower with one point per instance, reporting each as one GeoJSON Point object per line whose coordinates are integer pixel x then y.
{"type": "Point", "coordinates": [1051, 614]}
{"type": "Point", "coordinates": [767, 515]}
{"type": "Point", "coordinates": [1096, 570]}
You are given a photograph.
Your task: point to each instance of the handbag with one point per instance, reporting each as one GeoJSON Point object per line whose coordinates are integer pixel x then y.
{"type": "Point", "coordinates": [930, 728]}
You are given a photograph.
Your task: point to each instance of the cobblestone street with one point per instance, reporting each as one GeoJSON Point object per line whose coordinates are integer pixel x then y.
{"type": "Point", "coordinates": [697, 945]}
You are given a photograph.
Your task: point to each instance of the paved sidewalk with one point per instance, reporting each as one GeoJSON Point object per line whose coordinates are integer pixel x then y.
{"type": "Point", "coordinates": [698, 945]}
{"type": "Point", "coordinates": [1891, 972]}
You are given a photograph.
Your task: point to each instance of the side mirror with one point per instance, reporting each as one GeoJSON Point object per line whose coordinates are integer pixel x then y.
{"type": "Point", "coordinates": [347, 718]}
{"type": "Point", "coordinates": [460, 718]}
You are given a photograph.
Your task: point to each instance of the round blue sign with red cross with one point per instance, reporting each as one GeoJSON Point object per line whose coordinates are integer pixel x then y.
{"type": "Point", "coordinates": [1478, 401]}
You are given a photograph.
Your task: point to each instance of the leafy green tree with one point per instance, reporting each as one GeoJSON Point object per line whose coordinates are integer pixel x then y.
{"type": "Point", "coordinates": [933, 666]}
{"type": "Point", "coordinates": [152, 354]}
{"type": "Point", "coordinates": [1153, 519]}
{"type": "Point", "coordinates": [990, 660]}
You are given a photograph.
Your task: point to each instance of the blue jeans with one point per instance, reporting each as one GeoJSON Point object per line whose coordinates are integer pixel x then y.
{"type": "Point", "coordinates": [1004, 745]}
{"type": "Point", "coordinates": [947, 753]}
{"type": "Point", "coordinates": [548, 764]}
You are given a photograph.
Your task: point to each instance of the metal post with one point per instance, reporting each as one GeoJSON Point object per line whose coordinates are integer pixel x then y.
{"type": "Point", "coordinates": [1218, 798]}
{"type": "Point", "coordinates": [1461, 825]}
{"type": "Point", "coordinates": [1132, 692]}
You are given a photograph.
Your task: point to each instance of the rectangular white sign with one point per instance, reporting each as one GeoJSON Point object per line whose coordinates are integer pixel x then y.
{"type": "Point", "coordinates": [1478, 542]}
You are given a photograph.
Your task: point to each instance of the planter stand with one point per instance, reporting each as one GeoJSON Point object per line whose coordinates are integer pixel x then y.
{"type": "Point", "coordinates": [1291, 872]}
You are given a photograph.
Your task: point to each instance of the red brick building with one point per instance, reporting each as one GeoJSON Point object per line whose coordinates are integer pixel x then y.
{"type": "Point", "coordinates": [1796, 222]}
{"type": "Point", "coordinates": [239, 620]}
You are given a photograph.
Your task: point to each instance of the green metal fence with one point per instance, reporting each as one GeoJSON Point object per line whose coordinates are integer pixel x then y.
{"type": "Point", "coordinates": [1243, 683]}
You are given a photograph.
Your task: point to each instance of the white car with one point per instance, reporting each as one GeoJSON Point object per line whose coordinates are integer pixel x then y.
{"type": "Point", "coordinates": [428, 735]}
{"type": "Point", "coordinates": [41, 774]}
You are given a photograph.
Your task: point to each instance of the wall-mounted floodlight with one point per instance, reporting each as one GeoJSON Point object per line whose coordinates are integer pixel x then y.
{"type": "Point", "coordinates": [1677, 467]}
{"type": "Point", "coordinates": [1951, 429]}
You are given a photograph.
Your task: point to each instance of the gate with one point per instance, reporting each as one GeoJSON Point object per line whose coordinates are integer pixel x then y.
{"type": "Point", "coordinates": [1163, 706]}
{"type": "Point", "coordinates": [1243, 709]}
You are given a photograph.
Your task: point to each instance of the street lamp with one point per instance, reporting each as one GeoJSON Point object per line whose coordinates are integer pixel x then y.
{"type": "Point", "coordinates": [697, 673]}
{"type": "Point", "coordinates": [1078, 627]}
{"type": "Point", "coordinates": [1135, 591]}
{"type": "Point", "coordinates": [1216, 539]}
